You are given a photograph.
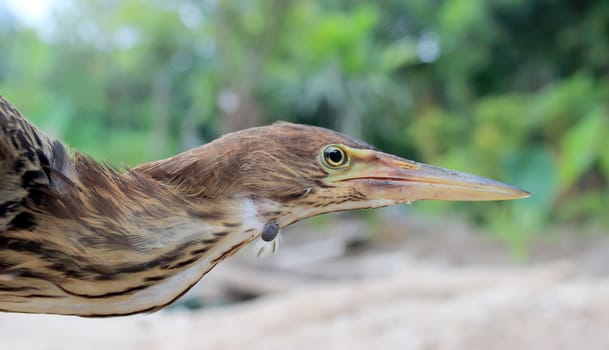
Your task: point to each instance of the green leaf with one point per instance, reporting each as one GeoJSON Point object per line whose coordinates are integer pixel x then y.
{"type": "Point", "coordinates": [399, 54]}
{"type": "Point", "coordinates": [581, 146]}
{"type": "Point", "coordinates": [604, 159]}
{"type": "Point", "coordinates": [534, 171]}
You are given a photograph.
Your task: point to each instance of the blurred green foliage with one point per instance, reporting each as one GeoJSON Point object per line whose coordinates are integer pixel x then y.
{"type": "Point", "coordinates": [511, 89]}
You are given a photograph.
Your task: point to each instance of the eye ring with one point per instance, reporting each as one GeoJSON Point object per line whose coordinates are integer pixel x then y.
{"type": "Point", "coordinates": [334, 156]}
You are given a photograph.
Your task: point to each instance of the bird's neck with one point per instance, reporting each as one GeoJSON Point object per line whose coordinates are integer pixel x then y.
{"type": "Point", "coordinates": [134, 245]}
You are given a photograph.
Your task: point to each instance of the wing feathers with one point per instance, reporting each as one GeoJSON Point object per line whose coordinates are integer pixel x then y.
{"type": "Point", "coordinates": [28, 158]}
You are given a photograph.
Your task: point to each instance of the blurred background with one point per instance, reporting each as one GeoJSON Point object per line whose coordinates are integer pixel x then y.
{"type": "Point", "coordinates": [514, 90]}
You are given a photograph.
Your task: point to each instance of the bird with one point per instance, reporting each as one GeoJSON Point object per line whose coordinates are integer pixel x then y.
{"type": "Point", "coordinates": [80, 237]}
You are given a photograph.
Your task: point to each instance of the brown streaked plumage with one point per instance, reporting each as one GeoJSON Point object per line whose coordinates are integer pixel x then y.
{"type": "Point", "coordinates": [81, 238]}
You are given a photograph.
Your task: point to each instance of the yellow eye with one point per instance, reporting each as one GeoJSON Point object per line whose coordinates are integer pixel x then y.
{"type": "Point", "coordinates": [335, 157]}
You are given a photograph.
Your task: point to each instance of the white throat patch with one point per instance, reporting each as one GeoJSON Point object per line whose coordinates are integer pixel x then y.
{"type": "Point", "coordinates": [251, 219]}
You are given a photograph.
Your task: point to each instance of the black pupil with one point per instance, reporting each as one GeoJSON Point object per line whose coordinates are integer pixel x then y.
{"type": "Point", "coordinates": [334, 155]}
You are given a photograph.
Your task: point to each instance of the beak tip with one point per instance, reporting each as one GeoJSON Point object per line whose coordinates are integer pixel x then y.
{"type": "Point", "coordinates": [512, 192]}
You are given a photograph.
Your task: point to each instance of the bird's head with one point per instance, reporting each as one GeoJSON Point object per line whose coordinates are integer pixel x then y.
{"type": "Point", "coordinates": [307, 171]}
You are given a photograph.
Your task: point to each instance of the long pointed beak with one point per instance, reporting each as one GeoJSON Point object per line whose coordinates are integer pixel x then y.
{"type": "Point", "coordinates": [386, 177]}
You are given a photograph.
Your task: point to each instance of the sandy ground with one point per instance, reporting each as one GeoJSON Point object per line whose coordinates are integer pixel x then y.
{"type": "Point", "coordinates": [445, 291]}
